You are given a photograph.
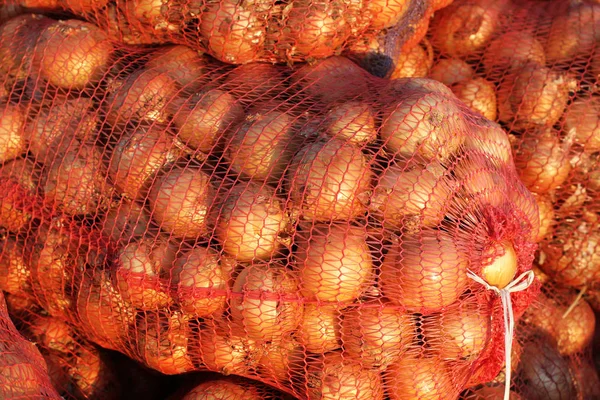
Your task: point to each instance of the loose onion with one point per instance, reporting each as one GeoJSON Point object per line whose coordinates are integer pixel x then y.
{"type": "Point", "coordinates": [12, 137]}
{"type": "Point", "coordinates": [250, 222]}
{"type": "Point", "coordinates": [124, 221]}
{"type": "Point", "coordinates": [542, 161]}
{"type": "Point", "coordinates": [204, 117]}
{"type": "Point", "coordinates": [199, 282]}
{"type": "Point", "coordinates": [406, 198]}
{"type": "Point", "coordinates": [425, 271]}
{"type": "Point", "coordinates": [429, 126]}
{"type": "Point", "coordinates": [377, 335]}
{"type": "Point", "coordinates": [512, 50]}
{"type": "Point", "coordinates": [334, 376]}
{"type": "Point", "coordinates": [319, 330]}
{"type": "Point", "coordinates": [20, 179]}
{"type": "Point", "coordinates": [450, 71]}
{"type": "Point", "coordinates": [479, 95]}
{"type": "Point", "coordinates": [329, 180]}
{"type": "Point", "coordinates": [226, 354]}
{"type": "Point", "coordinates": [334, 262]}
{"type": "Point", "coordinates": [234, 32]}
{"type": "Point", "coordinates": [533, 96]}
{"type": "Point", "coordinates": [184, 65]}
{"type": "Point", "coordinates": [582, 116]}
{"type": "Point", "coordinates": [53, 334]}
{"type": "Point", "coordinates": [281, 360]}
{"type": "Point", "coordinates": [15, 273]}
{"type": "Point", "coordinates": [262, 147]}
{"type": "Point", "coordinates": [222, 389]}
{"type": "Point", "coordinates": [546, 211]}
{"type": "Point", "coordinates": [136, 158]}
{"type": "Point", "coordinates": [73, 54]}
{"type": "Point", "coordinates": [250, 82]}
{"type": "Point", "coordinates": [263, 303]}
{"type": "Point", "coordinates": [413, 63]}
{"type": "Point", "coordinates": [352, 121]}
{"type": "Point", "coordinates": [419, 378]}
{"type": "Point", "coordinates": [180, 201]}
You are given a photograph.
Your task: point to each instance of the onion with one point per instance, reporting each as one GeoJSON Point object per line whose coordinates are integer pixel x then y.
{"type": "Point", "coordinates": [491, 392]}
{"type": "Point", "coordinates": [140, 267]}
{"type": "Point", "coordinates": [424, 271]}
{"type": "Point", "coordinates": [180, 201]}
{"type": "Point", "coordinates": [512, 50]}
{"type": "Point", "coordinates": [499, 263]}
{"type": "Point", "coordinates": [21, 307]}
{"type": "Point", "coordinates": [479, 183]}
{"type": "Point", "coordinates": [184, 65]}
{"type": "Point", "coordinates": [328, 79]}
{"type": "Point", "coordinates": [546, 373]}
{"type": "Point", "coordinates": [19, 181]}
{"type": "Point", "coordinates": [264, 303]}
{"type": "Point", "coordinates": [377, 335]}
{"type": "Point", "coordinates": [533, 95]}
{"type": "Point", "coordinates": [162, 342]}
{"type": "Point", "coordinates": [251, 222]}
{"type": "Point", "coordinates": [262, 147]}
{"type": "Point", "coordinates": [76, 183]}
{"type": "Point", "coordinates": [91, 375]}
{"type": "Point", "coordinates": [204, 117]}
{"type": "Point", "coordinates": [47, 4]}
{"type": "Point", "coordinates": [319, 330]}
{"type": "Point", "coordinates": [15, 273]}
{"type": "Point", "coordinates": [334, 262]}
{"type": "Point", "coordinates": [198, 277]}
{"type": "Point", "coordinates": [542, 161]}
{"type": "Point", "coordinates": [450, 71]}
{"type": "Point", "coordinates": [334, 376]}
{"type": "Point", "coordinates": [314, 29]}
{"type": "Point", "coordinates": [385, 13]}
{"type": "Point", "coordinates": [546, 211]}
{"type": "Point", "coordinates": [419, 378]}
{"type": "Point", "coordinates": [490, 142]}
{"type": "Point", "coordinates": [125, 221]}
{"type": "Point", "coordinates": [233, 32]}
{"type": "Point", "coordinates": [352, 121]}
{"type": "Point", "coordinates": [415, 62]}
{"type": "Point", "coordinates": [227, 354]}
{"type": "Point", "coordinates": [143, 96]}
{"type": "Point", "coordinates": [137, 157]}
{"type": "Point", "coordinates": [84, 6]}
{"type": "Point", "coordinates": [406, 198]}
{"type": "Point", "coordinates": [281, 360]}
{"type": "Point", "coordinates": [73, 54]}
{"type": "Point", "coordinates": [224, 389]}
{"type": "Point", "coordinates": [582, 116]}
{"type": "Point", "coordinates": [461, 331]}
{"type": "Point", "coordinates": [12, 137]}
{"type": "Point", "coordinates": [329, 180]}
{"type": "Point", "coordinates": [53, 334]}
{"type": "Point", "coordinates": [406, 87]}
{"type": "Point", "coordinates": [250, 82]}
{"type": "Point", "coordinates": [429, 126]}
{"type": "Point", "coordinates": [477, 94]}
{"type": "Point", "coordinates": [586, 379]}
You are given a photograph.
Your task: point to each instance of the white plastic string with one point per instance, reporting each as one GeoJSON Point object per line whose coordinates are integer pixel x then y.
{"type": "Point", "coordinates": [521, 283]}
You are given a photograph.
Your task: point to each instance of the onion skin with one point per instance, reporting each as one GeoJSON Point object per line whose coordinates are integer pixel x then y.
{"type": "Point", "coordinates": [480, 184]}
{"type": "Point", "coordinates": [583, 117]}
{"type": "Point", "coordinates": [424, 272]}
{"type": "Point", "coordinates": [12, 136]}
{"type": "Point", "coordinates": [352, 121]}
{"type": "Point", "coordinates": [91, 375]}
{"type": "Point", "coordinates": [227, 354]}
{"type": "Point", "coordinates": [84, 6]}
{"type": "Point", "coordinates": [195, 275]}
{"type": "Point", "coordinates": [250, 222]}
{"type": "Point", "coordinates": [329, 180]}
{"type": "Point", "coordinates": [511, 51]}
{"type": "Point", "coordinates": [429, 126]}
{"type": "Point", "coordinates": [262, 147]}
{"type": "Point", "coordinates": [334, 262]}
{"type": "Point", "coordinates": [334, 376]}
{"type": "Point", "coordinates": [319, 329]}
{"type": "Point", "coordinates": [180, 201]}
{"type": "Point", "coordinates": [490, 142]}
{"type": "Point", "coordinates": [413, 63]}
{"type": "Point", "coordinates": [479, 95]}
{"type": "Point", "coordinates": [124, 221]}
{"type": "Point", "coordinates": [385, 13]}
{"type": "Point", "coordinates": [450, 71]}
{"type": "Point", "coordinates": [53, 334]}
{"type": "Point", "coordinates": [419, 378]}
{"type": "Point", "coordinates": [15, 273]}
{"type": "Point", "coordinates": [406, 87]}
{"type": "Point", "coordinates": [25, 176]}
{"type": "Point", "coordinates": [377, 335]}
{"type": "Point", "coordinates": [184, 65]}
{"type": "Point", "coordinates": [281, 360]}
{"type": "Point", "coordinates": [251, 82]}
{"type": "Point", "coordinates": [224, 389]}
{"type": "Point", "coordinates": [73, 54]}
{"type": "Point", "coordinates": [546, 211]}
{"type": "Point", "coordinates": [234, 32]}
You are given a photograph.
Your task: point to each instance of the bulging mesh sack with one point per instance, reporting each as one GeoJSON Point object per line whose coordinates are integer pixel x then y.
{"type": "Point", "coordinates": [321, 230]}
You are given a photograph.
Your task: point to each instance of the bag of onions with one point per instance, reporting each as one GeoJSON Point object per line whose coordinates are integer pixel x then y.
{"type": "Point", "coordinates": [323, 231]}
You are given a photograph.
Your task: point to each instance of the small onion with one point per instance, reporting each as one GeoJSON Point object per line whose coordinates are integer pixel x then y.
{"type": "Point", "coordinates": [546, 211]}
{"type": "Point", "coordinates": [73, 54]}
{"type": "Point", "coordinates": [424, 271]}
{"type": "Point", "coordinates": [227, 354]}
{"type": "Point", "coordinates": [419, 378]}
{"type": "Point", "coordinates": [124, 221]}
{"type": "Point", "coordinates": [319, 329]}
{"type": "Point", "coordinates": [263, 302]}
{"type": "Point", "coordinates": [204, 117]}
{"type": "Point", "coordinates": [12, 135]}
{"type": "Point", "coordinates": [224, 389]}
{"type": "Point", "coordinates": [430, 126]}
{"type": "Point", "coordinates": [334, 376]}
{"type": "Point", "coordinates": [281, 359]}
{"type": "Point", "coordinates": [15, 273]}
{"type": "Point", "coordinates": [334, 262]}
{"type": "Point", "coordinates": [20, 179]}
{"type": "Point", "coordinates": [262, 146]}
{"type": "Point", "coordinates": [583, 116]}
{"type": "Point", "coordinates": [477, 94]}
{"type": "Point", "coordinates": [352, 121]}
{"type": "Point", "coordinates": [542, 161]}
{"type": "Point", "coordinates": [180, 201]}
{"type": "Point", "coordinates": [184, 65]}
{"type": "Point", "coordinates": [377, 335]}
{"type": "Point", "coordinates": [234, 32]}
{"type": "Point", "coordinates": [250, 222]}
{"type": "Point", "coordinates": [197, 278]}
{"type": "Point", "coordinates": [512, 50]}
{"type": "Point", "coordinates": [415, 62]}
{"type": "Point", "coordinates": [53, 334]}
{"type": "Point", "coordinates": [329, 180]}
{"type": "Point", "coordinates": [450, 71]}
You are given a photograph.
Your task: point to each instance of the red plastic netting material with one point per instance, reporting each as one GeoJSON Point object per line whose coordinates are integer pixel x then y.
{"type": "Point", "coordinates": [239, 32]}
{"type": "Point", "coordinates": [309, 227]}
